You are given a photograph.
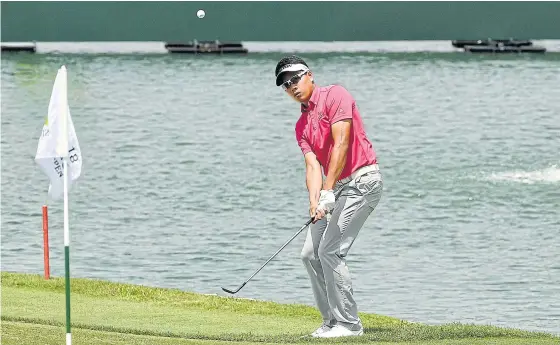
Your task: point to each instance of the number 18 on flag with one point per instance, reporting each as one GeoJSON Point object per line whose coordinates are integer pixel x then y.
{"type": "Point", "coordinates": [58, 140]}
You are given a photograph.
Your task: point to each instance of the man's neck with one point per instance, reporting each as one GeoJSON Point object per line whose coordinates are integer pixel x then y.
{"type": "Point", "coordinates": [306, 103]}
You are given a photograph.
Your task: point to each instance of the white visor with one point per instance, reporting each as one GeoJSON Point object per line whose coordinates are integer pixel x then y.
{"type": "Point", "coordinates": [290, 68]}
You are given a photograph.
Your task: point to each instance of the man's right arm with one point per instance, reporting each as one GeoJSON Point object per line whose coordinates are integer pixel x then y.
{"type": "Point", "coordinates": [314, 180]}
{"type": "Point", "coordinates": [313, 174]}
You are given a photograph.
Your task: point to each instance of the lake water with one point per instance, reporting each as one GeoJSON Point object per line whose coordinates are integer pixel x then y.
{"type": "Point", "coordinates": [192, 178]}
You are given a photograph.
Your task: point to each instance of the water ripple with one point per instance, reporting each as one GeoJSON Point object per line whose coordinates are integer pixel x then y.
{"type": "Point", "coordinates": [192, 179]}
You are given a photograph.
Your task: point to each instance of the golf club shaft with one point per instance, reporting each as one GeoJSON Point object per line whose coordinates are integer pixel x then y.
{"type": "Point", "coordinates": [278, 251]}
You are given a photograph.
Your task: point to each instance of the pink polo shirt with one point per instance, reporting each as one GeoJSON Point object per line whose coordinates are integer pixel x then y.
{"type": "Point", "coordinates": [328, 105]}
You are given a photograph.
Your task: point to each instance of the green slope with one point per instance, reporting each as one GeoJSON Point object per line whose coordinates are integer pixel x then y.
{"type": "Point", "coordinates": [33, 312]}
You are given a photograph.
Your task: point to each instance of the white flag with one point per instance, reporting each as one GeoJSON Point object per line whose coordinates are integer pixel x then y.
{"type": "Point", "coordinates": [58, 139]}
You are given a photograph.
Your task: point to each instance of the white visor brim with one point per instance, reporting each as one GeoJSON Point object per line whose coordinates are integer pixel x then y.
{"type": "Point", "coordinates": [290, 68]}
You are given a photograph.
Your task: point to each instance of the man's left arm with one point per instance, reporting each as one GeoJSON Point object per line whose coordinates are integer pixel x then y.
{"type": "Point", "coordinates": [341, 137]}
{"type": "Point", "coordinates": [339, 113]}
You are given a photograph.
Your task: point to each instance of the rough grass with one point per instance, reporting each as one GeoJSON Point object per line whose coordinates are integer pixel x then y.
{"type": "Point", "coordinates": [105, 312]}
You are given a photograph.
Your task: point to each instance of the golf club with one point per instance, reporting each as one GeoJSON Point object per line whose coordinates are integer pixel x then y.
{"type": "Point", "coordinates": [267, 261]}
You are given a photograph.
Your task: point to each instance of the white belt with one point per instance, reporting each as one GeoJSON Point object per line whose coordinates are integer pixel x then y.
{"type": "Point", "coordinates": [361, 171]}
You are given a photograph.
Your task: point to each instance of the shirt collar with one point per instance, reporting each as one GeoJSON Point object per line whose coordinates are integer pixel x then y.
{"type": "Point", "coordinates": [312, 100]}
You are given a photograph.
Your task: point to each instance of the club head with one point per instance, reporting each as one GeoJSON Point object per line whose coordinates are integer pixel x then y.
{"type": "Point", "coordinates": [229, 291]}
{"type": "Point", "coordinates": [235, 291]}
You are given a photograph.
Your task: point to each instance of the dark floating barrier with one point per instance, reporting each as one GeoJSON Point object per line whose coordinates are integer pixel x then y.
{"type": "Point", "coordinates": [504, 49]}
{"type": "Point", "coordinates": [19, 47]}
{"type": "Point", "coordinates": [206, 47]}
{"type": "Point", "coordinates": [498, 46]}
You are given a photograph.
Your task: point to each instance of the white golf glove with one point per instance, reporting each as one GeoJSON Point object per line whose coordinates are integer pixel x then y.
{"type": "Point", "coordinates": [326, 200]}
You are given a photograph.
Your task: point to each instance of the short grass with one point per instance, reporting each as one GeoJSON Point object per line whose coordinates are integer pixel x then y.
{"type": "Point", "coordinates": [33, 312]}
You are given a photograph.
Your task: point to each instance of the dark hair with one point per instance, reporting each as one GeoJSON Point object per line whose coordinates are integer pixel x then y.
{"type": "Point", "coordinates": [288, 60]}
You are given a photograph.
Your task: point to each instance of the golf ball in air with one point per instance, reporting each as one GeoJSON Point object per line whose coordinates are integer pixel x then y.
{"type": "Point", "coordinates": [200, 14]}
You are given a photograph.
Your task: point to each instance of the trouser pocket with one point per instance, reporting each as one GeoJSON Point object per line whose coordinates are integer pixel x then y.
{"type": "Point", "coordinates": [371, 187]}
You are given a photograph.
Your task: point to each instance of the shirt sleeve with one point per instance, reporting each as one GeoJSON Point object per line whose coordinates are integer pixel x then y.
{"type": "Point", "coordinates": [339, 104]}
{"type": "Point", "coordinates": [302, 141]}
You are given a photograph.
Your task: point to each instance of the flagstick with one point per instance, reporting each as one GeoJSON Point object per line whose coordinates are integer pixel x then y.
{"type": "Point", "coordinates": [67, 253]}
{"type": "Point", "coordinates": [64, 152]}
{"type": "Point", "coordinates": [55, 135]}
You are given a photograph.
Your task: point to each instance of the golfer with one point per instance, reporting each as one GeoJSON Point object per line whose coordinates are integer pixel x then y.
{"type": "Point", "coordinates": [331, 136]}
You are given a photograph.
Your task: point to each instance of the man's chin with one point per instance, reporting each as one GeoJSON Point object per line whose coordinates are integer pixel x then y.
{"type": "Point", "coordinates": [300, 98]}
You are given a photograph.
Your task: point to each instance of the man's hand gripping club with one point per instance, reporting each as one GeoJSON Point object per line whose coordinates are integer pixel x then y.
{"type": "Point", "coordinates": [325, 204]}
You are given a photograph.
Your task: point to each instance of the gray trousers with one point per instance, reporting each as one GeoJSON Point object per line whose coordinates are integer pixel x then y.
{"type": "Point", "coordinates": [328, 242]}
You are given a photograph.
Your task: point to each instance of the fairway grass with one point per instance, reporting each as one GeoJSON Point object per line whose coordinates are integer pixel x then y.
{"type": "Point", "coordinates": [33, 312]}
